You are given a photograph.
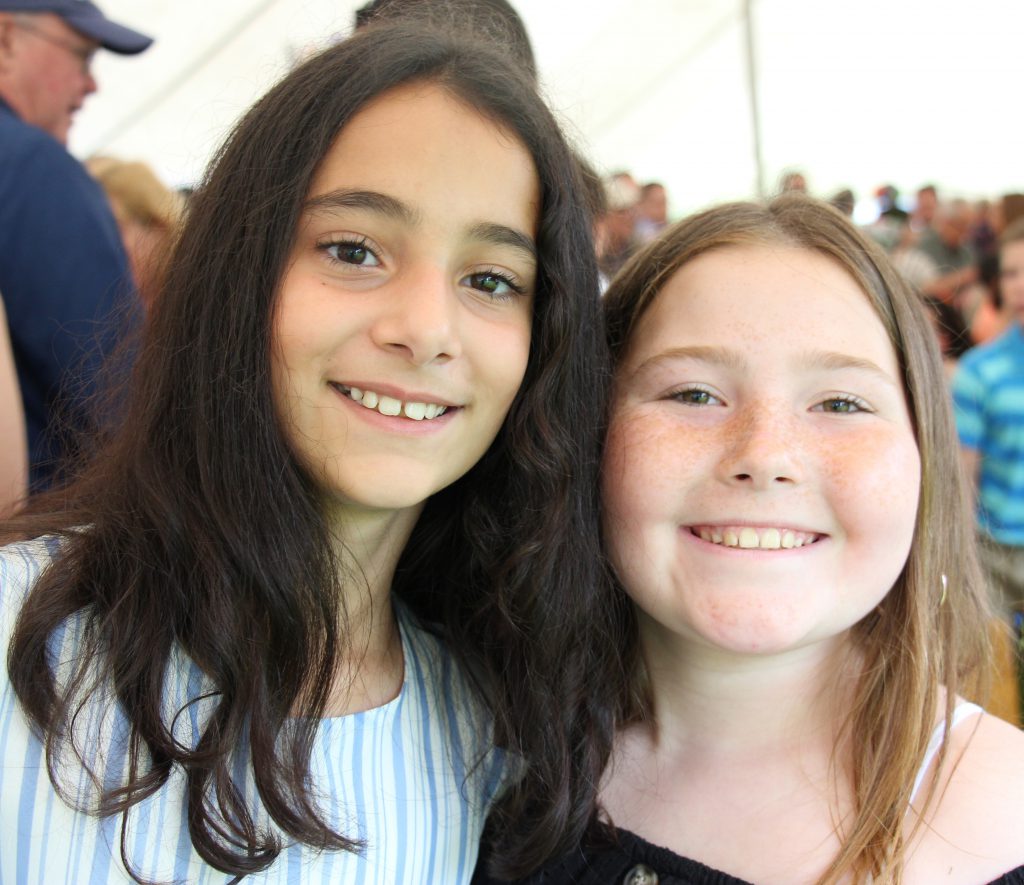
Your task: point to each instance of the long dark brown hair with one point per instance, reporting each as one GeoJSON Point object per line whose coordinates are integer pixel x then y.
{"type": "Point", "coordinates": [193, 527]}
{"type": "Point", "coordinates": [929, 632]}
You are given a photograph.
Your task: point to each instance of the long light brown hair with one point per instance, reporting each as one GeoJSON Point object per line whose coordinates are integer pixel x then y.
{"type": "Point", "coordinates": [929, 632]}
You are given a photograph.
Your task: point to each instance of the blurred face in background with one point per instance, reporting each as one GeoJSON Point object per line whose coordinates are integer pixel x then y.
{"type": "Point", "coordinates": [1011, 278]}
{"type": "Point", "coordinates": [654, 204]}
{"type": "Point", "coordinates": [45, 70]}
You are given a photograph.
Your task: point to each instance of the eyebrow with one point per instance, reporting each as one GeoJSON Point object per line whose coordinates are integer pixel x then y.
{"type": "Point", "coordinates": [372, 201]}
{"type": "Point", "coordinates": [500, 235]}
{"type": "Point", "coordinates": [721, 356]}
{"type": "Point", "coordinates": [383, 204]}
{"type": "Point", "coordinates": [832, 361]}
{"type": "Point", "coordinates": [731, 359]}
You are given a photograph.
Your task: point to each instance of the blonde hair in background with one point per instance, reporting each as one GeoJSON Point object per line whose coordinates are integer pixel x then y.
{"type": "Point", "coordinates": [148, 213]}
{"type": "Point", "coordinates": [922, 636]}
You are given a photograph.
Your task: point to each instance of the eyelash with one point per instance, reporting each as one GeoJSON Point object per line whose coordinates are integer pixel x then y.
{"type": "Point", "coordinates": [348, 244]}
{"type": "Point", "coordinates": [681, 394]}
{"type": "Point", "coordinates": [502, 277]}
{"type": "Point", "coordinates": [858, 404]}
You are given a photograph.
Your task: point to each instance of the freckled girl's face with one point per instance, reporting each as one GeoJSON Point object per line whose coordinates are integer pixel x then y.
{"type": "Point", "coordinates": [761, 476]}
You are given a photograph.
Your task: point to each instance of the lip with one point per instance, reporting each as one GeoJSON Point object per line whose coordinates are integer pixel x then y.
{"type": "Point", "coordinates": [692, 531]}
{"type": "Point", "coordinates": [399, 393]}
{"type": "Point", "coordinates": [754, 524]}
{"type": "Point", "coordinates": [394, 424]}
{"type": "Point", "coordinates": [768, 555]}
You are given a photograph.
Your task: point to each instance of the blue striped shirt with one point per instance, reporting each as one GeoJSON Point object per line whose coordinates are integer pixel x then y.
{"type": "Point", "coordinates": [401, 777]}
{"type": "Point", "coordinates": [988, 392]}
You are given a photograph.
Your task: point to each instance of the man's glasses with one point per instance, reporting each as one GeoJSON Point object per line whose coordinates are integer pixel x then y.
{"type": "Point", "coordinates": [84, 54]}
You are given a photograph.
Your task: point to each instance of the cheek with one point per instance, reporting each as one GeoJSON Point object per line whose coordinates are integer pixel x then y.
{"type": "Point", "coordinates": [876, 485]}
{"type": "Point", "coordinates": [503, 353]}
{"type": "Point", "coordinates": [294, 366]}
{"type": "Point", "coordinates": [643, 481]}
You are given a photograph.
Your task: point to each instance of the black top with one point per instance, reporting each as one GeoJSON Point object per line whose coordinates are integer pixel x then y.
{"type": "Point", "coordinates": [630, 860]}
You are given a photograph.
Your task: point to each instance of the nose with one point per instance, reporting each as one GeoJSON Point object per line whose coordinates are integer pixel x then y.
{"type": "Point", "coordinates": [419, 318]}
{"type": "Point", "coordinates": [761, 449]}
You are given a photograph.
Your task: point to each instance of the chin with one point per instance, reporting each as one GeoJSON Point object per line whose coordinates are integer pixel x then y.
{"type": "Point", "coordinates": [763, 629]}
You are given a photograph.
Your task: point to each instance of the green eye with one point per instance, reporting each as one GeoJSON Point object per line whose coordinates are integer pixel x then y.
{"type": "Point", "coordinates": [695, 396]}
{"type": "Point", "coordinates": [496, 285]}
{"type": "Point", "coordinates": [355, 255]}
{"type": "Point", "coordinates": [839, 406]}
{"type": "Point", "coordinates": [489, 283]}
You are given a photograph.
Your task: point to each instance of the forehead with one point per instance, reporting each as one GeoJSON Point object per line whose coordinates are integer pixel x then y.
{"type": "Point", "coordinates": [769, 298]}
{"type": "Point", "coordinates": [419, 137]}
{"type": "Point", "coordinates": [53, 24]}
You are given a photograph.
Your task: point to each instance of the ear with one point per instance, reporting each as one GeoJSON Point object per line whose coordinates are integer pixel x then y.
{"type": "Point", "coordinates": [6, 40]}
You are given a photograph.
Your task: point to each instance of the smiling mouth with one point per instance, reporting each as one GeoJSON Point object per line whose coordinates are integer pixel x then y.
{"type": "Point", "coordinates": [388, 405]}
{"type": "Point", "coordinates": [754, 538]}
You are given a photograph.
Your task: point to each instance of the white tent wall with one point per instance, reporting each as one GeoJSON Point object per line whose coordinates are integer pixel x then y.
{"type": "Point", "coordinates": [855, 95]}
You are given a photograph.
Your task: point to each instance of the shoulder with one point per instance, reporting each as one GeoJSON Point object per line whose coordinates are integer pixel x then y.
{"type": "Point", "coordinates": [431, 665]}
{"type": "Point", "coordinates": [991, 354]}
{"type": "Point", "coordinates": [976, 826]}
{"type": "Point", "coordinates": [971, 361]}
{"type": "Point", "coordinates": [40, 179]}
{"type": "Point", "coordinates": [21, 564]}
{"type": "Point", "coordinates": [30, 156]}
{"type": "Point", "coordinates": [440, 691]}
{"type": "Point", "coordinates": [437, 678]}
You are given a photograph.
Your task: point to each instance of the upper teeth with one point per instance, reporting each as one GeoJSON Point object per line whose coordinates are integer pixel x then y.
{"type": "Point", "coordinates": [751, 538]}
{"type": "Point", "coordinates": [388, 405]}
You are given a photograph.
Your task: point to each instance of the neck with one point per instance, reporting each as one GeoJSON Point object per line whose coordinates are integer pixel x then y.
{"type": "Point", "coordinates": [5, 101]}
{"type": "Point", "coordinates": [744, 748]}
{"type": "Point", "coordinates": [367, 547]}
{"type": "Point", "coordinates": [723, 702]}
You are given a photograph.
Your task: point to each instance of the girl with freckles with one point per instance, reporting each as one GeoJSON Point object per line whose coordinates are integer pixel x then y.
{"type": "Point", "coordinates": [783, 506]}
{"type": "Point", "coordinates": [275, 629]}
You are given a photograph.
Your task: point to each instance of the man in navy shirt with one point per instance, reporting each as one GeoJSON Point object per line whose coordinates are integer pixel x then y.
{"type": "Point", "coordinates": [63, 273]}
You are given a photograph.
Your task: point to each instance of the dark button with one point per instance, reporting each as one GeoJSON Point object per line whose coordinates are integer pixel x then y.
{"type": "Point", "coordinates": [641, 874]}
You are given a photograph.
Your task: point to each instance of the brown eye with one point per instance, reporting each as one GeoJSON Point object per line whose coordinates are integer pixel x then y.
{"type": "Point", "coordinates": [358, 254]}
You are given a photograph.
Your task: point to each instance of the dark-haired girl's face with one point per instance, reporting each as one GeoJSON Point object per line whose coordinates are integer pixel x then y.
{"type": "Point", "coordinates": [402, 328]}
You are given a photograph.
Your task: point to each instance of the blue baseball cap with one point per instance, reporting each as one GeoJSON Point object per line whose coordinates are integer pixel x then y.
{"type": "Point", "coordinates": [86, 18]}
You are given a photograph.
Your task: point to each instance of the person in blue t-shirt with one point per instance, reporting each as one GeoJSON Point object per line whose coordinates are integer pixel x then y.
{"type": "Point", "coordinates": [63, 269]}
{"type": "Point", "coordinates": [989, 393]}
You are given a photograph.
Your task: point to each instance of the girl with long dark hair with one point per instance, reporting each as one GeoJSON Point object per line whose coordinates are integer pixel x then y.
{"type": "Point", "coordinates": [343, 540]}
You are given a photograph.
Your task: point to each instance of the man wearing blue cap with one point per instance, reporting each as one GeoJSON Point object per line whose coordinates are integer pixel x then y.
{"type": "Point", "coordinates": [63, 271]}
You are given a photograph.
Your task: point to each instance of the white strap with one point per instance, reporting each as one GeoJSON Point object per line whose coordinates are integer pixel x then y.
{"type": "Point", "coordinates": [960, 713]}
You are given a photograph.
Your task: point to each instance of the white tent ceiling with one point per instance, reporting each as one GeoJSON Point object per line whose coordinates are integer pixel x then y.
{"type": "Point", "coordinates": [854, 94]}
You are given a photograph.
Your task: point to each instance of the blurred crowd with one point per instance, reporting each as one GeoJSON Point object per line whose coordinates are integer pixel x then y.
{"type": "Point", "coordinates": [945, 246]}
